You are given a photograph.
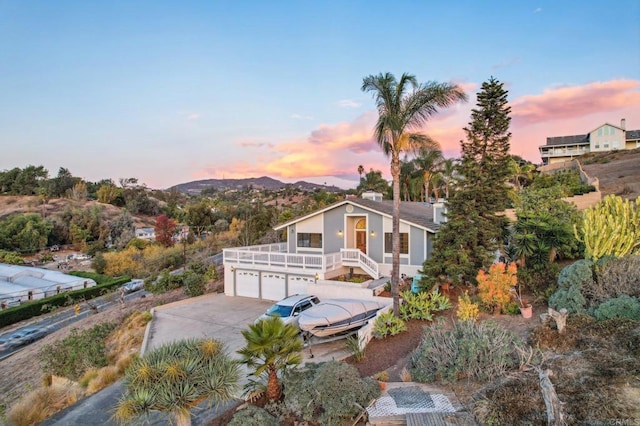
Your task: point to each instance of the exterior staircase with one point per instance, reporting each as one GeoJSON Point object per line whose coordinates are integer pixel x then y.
{"type": "Point", "coordinates": [354, 257]}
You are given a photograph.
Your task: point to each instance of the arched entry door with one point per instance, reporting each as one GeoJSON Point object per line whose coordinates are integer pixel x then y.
{"type": "Point", "coordinates": [361, 235]}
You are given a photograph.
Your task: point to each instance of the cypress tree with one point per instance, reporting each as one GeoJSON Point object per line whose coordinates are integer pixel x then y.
{"type": "Point", "coordinates": [473, 231]}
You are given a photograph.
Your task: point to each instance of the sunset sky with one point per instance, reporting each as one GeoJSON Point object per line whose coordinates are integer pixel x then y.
{"type": "Point", "coordinates": [170, 92]}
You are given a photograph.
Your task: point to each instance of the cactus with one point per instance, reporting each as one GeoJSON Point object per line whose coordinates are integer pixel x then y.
{"type": "Point", "coordinates": [611, 227]}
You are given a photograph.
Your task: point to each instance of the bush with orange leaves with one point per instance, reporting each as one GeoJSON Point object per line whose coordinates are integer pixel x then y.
{"type": "Point", "coordinates": [496, 287]}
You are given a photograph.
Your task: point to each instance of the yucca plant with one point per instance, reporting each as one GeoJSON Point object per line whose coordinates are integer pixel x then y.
{"type": "Point", "coordinates": [177, 377]}
{"type": "Point", "coordinates": [272, 347]}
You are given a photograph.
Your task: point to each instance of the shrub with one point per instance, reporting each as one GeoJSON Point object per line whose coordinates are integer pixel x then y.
{"type": "Point", "coordinates": [495, 287]}
{"type": "Point", "coordinates": [440, 302]}
{"type": "Point", "coordinates": [42, 403]}
{"type": "Point", "coordinates": [540, 279]}
{"type": "Point", "coordinates": [620, 307]}
{"type": "Point", "coordinates": [416, 306]}
{"type": "Point", "coordinates": [615, 277]}
{"type": "Point", "coordinates": [77, 353]}
{"type": "Point", "coordinates": [334, 389]}
{"type": "Point", "coordinates": [194, 284]}
{"type": "Point", "coordinates": [467, 310]}
{"type": "Point", "coordinates": [253, 416]}
{"type": "Point", "coordinates": [474, 351]}
{"type": "Point", "coordinates": [387, 324]}
{"type": "Point", "coordinates": [569, 298]}
{"type": "Point", "coordinates": [579, 274]}
{"type": "Point", "coordinates": [356, 349]}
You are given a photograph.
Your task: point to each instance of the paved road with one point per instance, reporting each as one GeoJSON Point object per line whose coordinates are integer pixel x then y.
{"type": "Point", "coordinates": [66, 316]}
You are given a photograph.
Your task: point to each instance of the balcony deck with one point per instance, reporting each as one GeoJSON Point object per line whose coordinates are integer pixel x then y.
{"type": "Point", "coordinates": [276, 256]}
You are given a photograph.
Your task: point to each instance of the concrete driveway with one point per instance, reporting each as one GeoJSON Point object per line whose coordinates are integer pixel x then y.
{"type": "Point", "coordinates": [223, 318]}
{"type": "Point", "coordinates": [213, 315]}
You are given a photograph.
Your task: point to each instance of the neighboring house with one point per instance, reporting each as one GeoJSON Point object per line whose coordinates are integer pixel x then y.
{"type": "Point", "coordinates": [148, 234]}
{"type": "Point", "coordinates": [353, 235]}
{"type": "Point", "coordinates": [601, 139]}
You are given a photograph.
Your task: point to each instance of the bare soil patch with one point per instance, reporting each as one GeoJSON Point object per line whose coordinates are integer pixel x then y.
{"type": "Point", "coordinates": [617, 171]}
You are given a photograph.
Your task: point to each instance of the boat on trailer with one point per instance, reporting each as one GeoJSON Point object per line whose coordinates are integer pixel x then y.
{"type": "Point", "coordinates": [331, 317]}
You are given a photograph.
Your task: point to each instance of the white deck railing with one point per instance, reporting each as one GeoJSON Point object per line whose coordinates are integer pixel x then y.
{"type": "Point", "coordinates": [275, 255]}
{"type": "Point", "coordinates": [354, 257]}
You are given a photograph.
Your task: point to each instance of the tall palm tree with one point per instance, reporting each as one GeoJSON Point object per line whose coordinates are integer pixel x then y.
{"type": "Point", "coordinates": [177, 377]}
{"type": "Point", "coordinates": [272, 347]}
{"type": "Point", "coordinates": [360, 171]}
{"type": "Point", "coordinates": [404, 106]}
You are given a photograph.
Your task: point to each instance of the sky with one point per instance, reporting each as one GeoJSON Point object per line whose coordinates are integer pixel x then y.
{"type": "Point", "coordinates": [174, 91]}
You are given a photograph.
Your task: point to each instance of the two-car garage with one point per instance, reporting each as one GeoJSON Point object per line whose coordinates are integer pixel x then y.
{"type": "Point", "coordinates": [268, 285]}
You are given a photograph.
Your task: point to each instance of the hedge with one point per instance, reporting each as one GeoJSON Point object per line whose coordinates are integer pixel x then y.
{"type": "Point", "coordinates": [35, 308]}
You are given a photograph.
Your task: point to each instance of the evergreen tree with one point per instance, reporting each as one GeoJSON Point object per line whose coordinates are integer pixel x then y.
{"type": "Point", "coordinates": [473, 231]}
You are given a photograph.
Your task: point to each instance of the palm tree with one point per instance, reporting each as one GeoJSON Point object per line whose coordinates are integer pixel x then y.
{"type": "Point", "coordinates": [428, 160]}
{"type": "Point", "coordinates": [373, 181]}
{"type": "Point", "coordinates": [272, 347]}
{"type": "Point", "coordinates": [404, 105]}
{"type": "Point", "coordinates": [448, 171]}
{"type": "Point", "coordinates": [407, 170]}
{"type": "Point", "coordinates": [177, 377]}
{"type": "Point", "coordinates": [360, 171]}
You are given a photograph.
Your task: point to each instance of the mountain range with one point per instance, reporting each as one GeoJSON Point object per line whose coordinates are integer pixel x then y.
{"type": "Point", "coordinates": [264, 182]}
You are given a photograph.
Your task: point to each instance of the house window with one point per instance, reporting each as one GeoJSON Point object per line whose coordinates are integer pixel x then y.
{"type": "Point", "coordinates": [404, 243]}
{"type": "Point", "coordinates": [597, 146]}
{"type": "Point", "coordinates": [306, 239]}
{"type": "Point", "coordinates": [606, 145]}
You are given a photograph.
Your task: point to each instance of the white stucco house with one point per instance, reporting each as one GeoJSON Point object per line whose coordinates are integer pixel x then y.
{"type": "Point", "coordinates": [353, 235]}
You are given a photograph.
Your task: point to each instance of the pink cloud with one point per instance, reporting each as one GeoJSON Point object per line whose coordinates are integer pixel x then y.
{"type": "Point", "coordinates": [571, 110]}
{"type": "Point", "coordinates": [575, 101]}
{"type": "Point", "coordinates": [337, 149]}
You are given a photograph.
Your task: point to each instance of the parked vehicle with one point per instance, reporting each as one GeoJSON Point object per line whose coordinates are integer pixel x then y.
{"type": "Point", "coordinates": [133, 285]}
{"type": "Point", "coordinates": [290, 308]}
{"type": "Point", "coordinates": [27, 335]}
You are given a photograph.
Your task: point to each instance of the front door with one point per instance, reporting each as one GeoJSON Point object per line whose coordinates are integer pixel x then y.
{"type": "Point", "coordinates": [361, 241]}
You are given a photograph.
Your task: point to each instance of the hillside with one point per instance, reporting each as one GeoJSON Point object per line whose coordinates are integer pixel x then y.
{"type": "Point", "coordinates": [264, 182]}
{"type": "Point", "coordinates": [618, 171]}
{"type": "Point", "coordinates": [10, 204]}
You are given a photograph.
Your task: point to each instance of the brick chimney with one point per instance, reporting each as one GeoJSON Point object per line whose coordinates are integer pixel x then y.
{"type": "Point", "coordinates": [623, 123]}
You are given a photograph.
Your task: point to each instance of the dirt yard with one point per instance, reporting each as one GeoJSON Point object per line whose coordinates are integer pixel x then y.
{"type": "Point", "coordinates": [618, 171]}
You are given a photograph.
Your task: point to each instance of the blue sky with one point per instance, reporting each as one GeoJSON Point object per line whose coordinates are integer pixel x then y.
{"type": "Point", "coordinates": [170, 92]}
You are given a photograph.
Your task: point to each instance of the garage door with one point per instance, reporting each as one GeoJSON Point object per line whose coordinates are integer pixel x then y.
{"type": "Point", "coordinates": [273, 286]}
{"type": "Point", "coordinates": [298, 284]}
{"type": "Point", "coordinates": [247, 283]}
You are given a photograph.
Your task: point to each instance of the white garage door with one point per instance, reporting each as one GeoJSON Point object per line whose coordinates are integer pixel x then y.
{"type": "Point", "coordinates": [248, 283]}
{"type": "Point", "coordinates": [298, 284]}
{"type": "Point", "coordinates": [273, 286]}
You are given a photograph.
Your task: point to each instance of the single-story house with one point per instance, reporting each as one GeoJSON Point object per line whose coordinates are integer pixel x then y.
{"type": "Point", "coordinates": [148, 234]}
{"type": "Point", "coordinates": [353, 235]}
{"type": "Point", "coordinates": [23, 283]}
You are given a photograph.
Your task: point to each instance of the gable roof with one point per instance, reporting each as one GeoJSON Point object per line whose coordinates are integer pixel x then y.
{"type": "Point", "coordinates": [413, 213]}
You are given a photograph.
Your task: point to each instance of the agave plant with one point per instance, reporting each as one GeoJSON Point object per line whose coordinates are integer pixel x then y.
{"type": "Point", "coordinates": [177, 377]}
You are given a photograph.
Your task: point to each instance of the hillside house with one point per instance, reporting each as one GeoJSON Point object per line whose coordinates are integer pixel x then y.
{"type": "Point", "coordinates": [606, 137]}
{"type": "Point", "coordinates": [353, 235]}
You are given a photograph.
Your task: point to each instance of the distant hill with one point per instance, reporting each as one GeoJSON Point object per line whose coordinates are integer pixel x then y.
{"type": "Point", "coordinates": [264, 182]}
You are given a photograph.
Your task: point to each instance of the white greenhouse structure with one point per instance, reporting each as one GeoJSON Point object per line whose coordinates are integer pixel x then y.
{"type": "Point", "coordinates": [20, 284]}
